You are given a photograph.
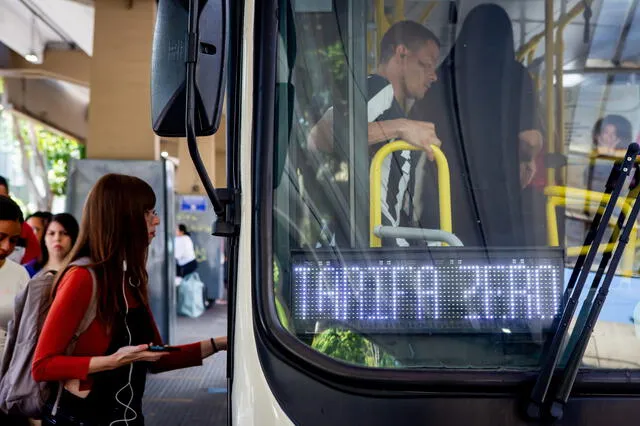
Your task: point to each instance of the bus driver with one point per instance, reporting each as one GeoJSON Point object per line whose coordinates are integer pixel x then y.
{"type": "Point", "coordinates": [408, 58]}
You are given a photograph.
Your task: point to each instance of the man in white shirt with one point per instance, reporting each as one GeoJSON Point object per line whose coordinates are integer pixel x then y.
{"type": "Point", "coordinates": [13, 277]}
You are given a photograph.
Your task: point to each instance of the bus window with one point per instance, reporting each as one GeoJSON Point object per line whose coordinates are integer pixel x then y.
{"type": "Point", "coordinates": [434, 183]}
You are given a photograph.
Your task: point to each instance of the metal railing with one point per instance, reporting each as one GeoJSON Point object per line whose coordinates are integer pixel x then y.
{"type": "Point", "coordinates": [375, 188]}
{"type": "Point", "coordinates": [568, 196]}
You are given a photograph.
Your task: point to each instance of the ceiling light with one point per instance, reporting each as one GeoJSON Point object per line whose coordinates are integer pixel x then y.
{"type": "Point", "coordinates": [570, 80]}
{"type": "Point", "coordinates": [31, 57]}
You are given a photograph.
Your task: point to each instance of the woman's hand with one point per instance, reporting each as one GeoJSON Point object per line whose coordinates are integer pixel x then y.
{"type": "Point", "coordinates": [207, 349]}
{"type": "Point", "coordinates": [221, 343]}
{"type": "Point", "coordinates": [128, 354]}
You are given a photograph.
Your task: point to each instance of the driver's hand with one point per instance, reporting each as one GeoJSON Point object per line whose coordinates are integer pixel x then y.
{"type": "Point", "coordinates": [420, 134]}
{"type": "Point", "coordinates": [527, 172]}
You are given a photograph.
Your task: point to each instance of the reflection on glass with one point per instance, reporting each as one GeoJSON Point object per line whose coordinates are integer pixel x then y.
{"type": "Point", "coordinates": [348, 85]}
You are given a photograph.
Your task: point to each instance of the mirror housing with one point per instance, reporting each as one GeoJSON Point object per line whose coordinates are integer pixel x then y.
{"type": "Point", "coordinates": [172, 47]}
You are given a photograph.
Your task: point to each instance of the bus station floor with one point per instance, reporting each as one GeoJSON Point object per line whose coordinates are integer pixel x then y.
{"type": "Point", "coordinates": [192, 396]}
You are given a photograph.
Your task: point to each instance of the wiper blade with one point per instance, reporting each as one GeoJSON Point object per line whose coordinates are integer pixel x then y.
{"type": "Point", "coordinates": [591, 233]}
{"type": "Point", "coordinates": [575, 357]}
{"type": "Point", "coordinates": [586, 305]}
{"type": "Point", "coordinates": [572, 294]}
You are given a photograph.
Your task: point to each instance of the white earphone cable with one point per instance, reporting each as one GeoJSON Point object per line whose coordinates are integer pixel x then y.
{"type": "Point", "coordinates": [126, 406]}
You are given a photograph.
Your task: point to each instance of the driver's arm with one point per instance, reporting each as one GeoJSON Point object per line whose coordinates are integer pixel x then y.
{"type": "Point", "coordinates": [418, 133]}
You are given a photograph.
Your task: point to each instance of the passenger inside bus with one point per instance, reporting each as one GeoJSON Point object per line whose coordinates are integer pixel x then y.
{"type": "Point", "coordinates": [485, 109]}
{"type": "Point", "coordinates": [610, 137]}
{"type": "Point", "coordinates": [408, 58]}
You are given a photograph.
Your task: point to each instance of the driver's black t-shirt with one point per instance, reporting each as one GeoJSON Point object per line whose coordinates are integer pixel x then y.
{"type": "Point", "coordinates": [398, 169]}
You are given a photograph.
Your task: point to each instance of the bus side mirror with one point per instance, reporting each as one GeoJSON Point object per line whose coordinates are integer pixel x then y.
{"type": "Point", "coordinates": [172, 48]}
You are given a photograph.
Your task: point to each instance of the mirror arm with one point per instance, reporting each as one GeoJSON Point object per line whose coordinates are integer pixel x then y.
{"type": "Point", "coordinates": [223, 201]}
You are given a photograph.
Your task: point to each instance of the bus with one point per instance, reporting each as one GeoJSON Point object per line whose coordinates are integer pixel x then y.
{"type": "Point", "coordinates": [430, 205]}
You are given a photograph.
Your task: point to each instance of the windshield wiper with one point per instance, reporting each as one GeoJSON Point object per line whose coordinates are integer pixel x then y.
{"type": "Point", "coordinates": [579, 277]}
{"type": "Point", "coordinates": [606, 256]}
{"type": "Point", "coordinates": [573, 364]}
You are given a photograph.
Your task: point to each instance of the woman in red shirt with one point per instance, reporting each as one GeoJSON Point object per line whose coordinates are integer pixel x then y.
{"type": "Point", "coordinates": [104, 375]}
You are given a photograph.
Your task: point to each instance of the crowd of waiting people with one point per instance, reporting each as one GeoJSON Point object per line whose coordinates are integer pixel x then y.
{"type": "Point", "coordinates": [97, 267]}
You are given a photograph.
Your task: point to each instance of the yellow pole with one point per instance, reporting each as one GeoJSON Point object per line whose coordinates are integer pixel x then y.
{"type": "Point", "coordinates": [532, 44]}
{"type": "Point", "coordinates": [427, 11]}
{"type": "Point", "coordinates": [630, 253]}
{"type": "Point", "coordinates": [381, 21]}
{"type": "Point", "coordinates": [559, 52]}
{"type": "Point", "coordinates": [552, 221]}
{"type": "Point", "coordinates": [398, 11]}
{"type": "Point", "coordinates": [548, 68]}
{"type": "Point", "coordinates": [375, 187]}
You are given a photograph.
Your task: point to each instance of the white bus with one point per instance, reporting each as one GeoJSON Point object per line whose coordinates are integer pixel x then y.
{"type": "Point", "coordinates": [430, 204]}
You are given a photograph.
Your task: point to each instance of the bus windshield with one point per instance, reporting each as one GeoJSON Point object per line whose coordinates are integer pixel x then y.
{"type": "Point", "coordinates": [436, 168]}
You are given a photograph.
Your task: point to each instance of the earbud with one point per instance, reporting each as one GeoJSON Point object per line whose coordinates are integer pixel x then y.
{"type": "Point", "coordinates": [124, 266]}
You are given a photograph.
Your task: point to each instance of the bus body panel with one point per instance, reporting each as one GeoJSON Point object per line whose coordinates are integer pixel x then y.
{"type": "Point", "coordinates": [267, 390]}
{"type": "Point", "coordinates": [253, 402]}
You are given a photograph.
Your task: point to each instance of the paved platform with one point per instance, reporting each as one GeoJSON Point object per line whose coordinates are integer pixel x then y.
{"type": "Point", "coordinates": [193, 396]}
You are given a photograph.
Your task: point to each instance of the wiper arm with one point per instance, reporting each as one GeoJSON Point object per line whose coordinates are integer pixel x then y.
{"type": "Point", "coordinates": [573, 364]}
{"type": "Point", "coordinates": [606, 256]}
{"type": "Point", "coordinates": [591, 233]}
{"type": "Point", "coordinates": [539, 392]}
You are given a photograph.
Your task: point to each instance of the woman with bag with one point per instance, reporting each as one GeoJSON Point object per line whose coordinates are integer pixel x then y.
{"type": "Point", "coordinates": [103, 378]}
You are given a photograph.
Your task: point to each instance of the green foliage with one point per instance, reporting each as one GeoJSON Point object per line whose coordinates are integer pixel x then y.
{"type": "Point", "coordinates": [351, 347]}
{"type": "Point", "coordinates": [334, 58]}
{"type": "Point", "coordinates": [58, 151]}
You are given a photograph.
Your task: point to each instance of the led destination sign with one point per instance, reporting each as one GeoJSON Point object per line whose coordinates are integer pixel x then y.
{"type": "Point", "coordinates": [446, 294]}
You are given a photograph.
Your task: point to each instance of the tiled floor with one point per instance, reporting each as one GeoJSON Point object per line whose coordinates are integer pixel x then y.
{"type": "Point", "coordinates": [193, 396]}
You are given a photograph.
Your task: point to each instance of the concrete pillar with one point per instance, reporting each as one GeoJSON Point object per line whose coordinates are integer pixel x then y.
{"type": "Point", "coordinates": [120, 108]}
{"type": "Point", "coordinates": [187, 180]}
{"type": "Point", "coordinates": [221, 154]}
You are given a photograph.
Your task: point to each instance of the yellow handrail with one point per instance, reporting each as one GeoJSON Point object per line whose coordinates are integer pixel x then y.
{"type": "Point", "coordinates": [398, 11]}
{"type": "Point", "coordinates": [529, 47]}
{"type": "Point", "coordinates": [534, 41]}
{"type": "Point", "coordinates": [561, 195]}
{"type": "Point", "coordinates": [559, 69]}
{"type": "Point", "coordinates": [427, 11]}
{"type": "Point", "coordinates": [375, 187]}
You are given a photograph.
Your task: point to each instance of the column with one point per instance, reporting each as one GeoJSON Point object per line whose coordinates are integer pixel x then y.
{"type": "Point", "coordinates": [120, 107]}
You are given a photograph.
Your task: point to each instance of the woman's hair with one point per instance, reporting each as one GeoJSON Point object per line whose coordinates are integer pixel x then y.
{"type": "Point", "coordinates": [9, 210]}
{"type": "Point", "coordinates": [70, 225]}
{"type": "Point", "coordinates": [623, 128]}
{"type": "Point", "coordinates": [113, 230]}
{"type": "Point", "coordinates": [45, 216]}
{"type": "Point", "coordinates": [183, 228]}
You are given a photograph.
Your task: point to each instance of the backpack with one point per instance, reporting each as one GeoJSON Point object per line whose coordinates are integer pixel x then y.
{"type": "Point", "coordinates": [19, 393]}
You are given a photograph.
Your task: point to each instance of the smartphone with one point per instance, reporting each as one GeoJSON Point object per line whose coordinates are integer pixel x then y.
{"type": "Point", "coordinates": [163, 348]}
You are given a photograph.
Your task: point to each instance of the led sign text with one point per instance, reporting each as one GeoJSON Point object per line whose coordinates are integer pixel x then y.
{"type": "Point", "coordinates": [461, 292]}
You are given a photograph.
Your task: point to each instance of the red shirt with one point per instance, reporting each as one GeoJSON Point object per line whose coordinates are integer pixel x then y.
{"type": "Point", "coordinates": [32, 249]}
{"type": "Point", "coordinates": [67, 310]}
